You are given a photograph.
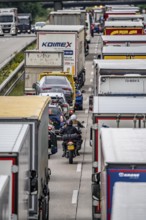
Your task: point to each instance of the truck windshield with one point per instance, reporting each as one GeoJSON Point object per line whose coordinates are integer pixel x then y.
{"type": "Point", "coordinates": [23, 21]}
{"type": "Point", "coordinates": [6, 18]}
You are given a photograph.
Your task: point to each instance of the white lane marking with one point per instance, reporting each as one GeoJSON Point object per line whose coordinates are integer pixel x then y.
{"type": "Point", "coordinates": [90, 89]}
{"type": "Point", "coordinates": [91, 80]}
{"type": "Point", "coordinates": [86, 111]}
{"type": "Point", "coordinates": [74, 196]}
{"type": "Point", "coordinates": [92, 73]}
{"type": "Point", "coordinates": [79, 166]}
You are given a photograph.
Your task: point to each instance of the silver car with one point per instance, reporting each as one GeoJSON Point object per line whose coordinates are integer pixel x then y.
{"type": "Point", "coordinates": [60, 84]}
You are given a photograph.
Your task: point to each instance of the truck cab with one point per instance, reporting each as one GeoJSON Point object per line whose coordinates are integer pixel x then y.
{"type": "Point", "coordinates": [8, 21]}
{"type": "Point", "coordinates": [24, 23]}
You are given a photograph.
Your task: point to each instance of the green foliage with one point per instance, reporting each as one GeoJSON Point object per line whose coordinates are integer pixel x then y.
{"type": "Point", "coordinates": [35, 9]}
{"type": "Point", "coordinates": [10, 67]}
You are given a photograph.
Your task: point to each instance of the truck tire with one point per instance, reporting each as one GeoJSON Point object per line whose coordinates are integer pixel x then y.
{"type": "Point", "coordinates": [45, 209]}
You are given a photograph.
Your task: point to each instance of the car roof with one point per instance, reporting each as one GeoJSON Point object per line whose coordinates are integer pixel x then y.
{"type": "Point", "coordinates": [56, 77]}
{"type": "Point", "coordinates": [54, 106]}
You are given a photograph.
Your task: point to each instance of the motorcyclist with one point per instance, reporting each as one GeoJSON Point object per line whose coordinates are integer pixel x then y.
{"type": "Point", "coordinates": [67, 130]}
{"type": "Point", "coordinates": [76, 122]}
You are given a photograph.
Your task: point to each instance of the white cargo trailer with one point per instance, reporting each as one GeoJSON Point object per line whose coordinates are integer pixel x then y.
{"type": "Point", "coordinates": [112, 112]}
{"type": "Point", "coordinates": [136, 17]}
{"type": "Point", "coordinates": [128, 84]}
{"type": "Point", "coordinates": [36, 62]}
{"type": "Point", "coordinates": [5, 208]}
{"type": "Point", "coordinates": [65, 18]}
{"type": "Point", "coordinates": [32, 110]}
{"type": "Point", "coordinates": [15, 145]}
{"type": "Point", "coordinates": [125, 40]}
{"type": "Point", "coordinates": [129, 72]}
{"type": "Point", "coordinates": [68, 38]}
{"type": "Point", "coordinates": [123, 156]}
{"type": "Point", "coordinates": [129, 201]}
{"type": "Point", "coordinates": [82, 17]}
{"type": "Point", "coordinates": [124, 52]}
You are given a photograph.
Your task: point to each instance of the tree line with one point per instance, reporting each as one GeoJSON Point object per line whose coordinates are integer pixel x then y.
{"type": "Point", "coordinates": [35, 8]}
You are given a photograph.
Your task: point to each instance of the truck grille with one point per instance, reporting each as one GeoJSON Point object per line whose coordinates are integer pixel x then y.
{"type": "Point", "coordinates": [6, 26]}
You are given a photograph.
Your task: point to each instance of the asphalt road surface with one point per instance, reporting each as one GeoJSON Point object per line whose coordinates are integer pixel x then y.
{"type": "Point", "coordinates": [10, 46]}
{"type": "Point", "coordinates": [70, 184]}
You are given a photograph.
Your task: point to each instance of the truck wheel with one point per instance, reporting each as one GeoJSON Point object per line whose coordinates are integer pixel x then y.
{"type": "Point", "coordinates": [45, 209]}
{"type": "Point", "coordinates": [70, 157]}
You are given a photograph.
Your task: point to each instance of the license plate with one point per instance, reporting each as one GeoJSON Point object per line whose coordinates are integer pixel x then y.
{"type": "Point", "coordinates": [65, 110]}
{"type": "Point", "coordinates": [71, 147]}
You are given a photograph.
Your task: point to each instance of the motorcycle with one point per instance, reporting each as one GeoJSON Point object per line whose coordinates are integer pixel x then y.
{"type": "Point", "coordinates": [71, 142]}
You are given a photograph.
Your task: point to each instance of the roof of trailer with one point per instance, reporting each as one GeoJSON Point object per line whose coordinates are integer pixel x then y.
{"type": "Point", "coordinates": [3, 180]}
{"type": "Point", "coordinates": [114, 11]}
{"type": "Point", "coordinates": [16, 134]}
{"type": "Point", "coordinates": [119, 105]}
{"type": "Point", "coordinates": [123, 24]}
{"type": "Point", "coordinates": [22, 106]}
{"type": "Point", "coordinates": [130, 194]}
{"type": "Point", "coordinates": [66, 28]}
{"type": "Point", "coordinates": [124, 38]}
{"type": "Point", "coordinates": [115, 50]}
{"type": "Point", "coordinates": [127, 16]}
{"type": "Point", "coordinates": [132, 64]}
{"type": "Point", "coordinates": [124, 145]}
{"type": "Point", "coordinates": [64, 12]}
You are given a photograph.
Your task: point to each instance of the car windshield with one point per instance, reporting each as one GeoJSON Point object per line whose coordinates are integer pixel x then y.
{"type": "Point", "coordinates": [40, 24]}
{"type": "Point", "coordinates": [23, 20]}
{"type": "Point", "coordinates": [54, 111]}
{"type": "Point", "coordinates": [57, 99]}
{"type": "Point", "coordinates": [54, 80]}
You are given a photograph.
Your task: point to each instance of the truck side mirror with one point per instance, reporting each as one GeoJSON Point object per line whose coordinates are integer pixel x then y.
{"type": "Point", "coordinates": [34, 85]}
{"type": "Point", "coordinates": [96, 178]}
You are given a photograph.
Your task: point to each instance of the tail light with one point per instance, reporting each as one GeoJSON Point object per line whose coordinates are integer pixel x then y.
{"type": "Point", "coordinates": [71, 112]}
{"type": "Point", "coordinates": [78, 94]}
{"type": "Point", "coordinates": [49, 128]}
{"type": "Point", "coordinates": [61, 118]}
{"type": "Point", "coordinates": [70, 143]}
{"type": "Point", "coordinates": [46, 88]}
{"type": "Point", "coordinates": [67, 89]}
{"type": "Point", "coordinates": [65, 105]}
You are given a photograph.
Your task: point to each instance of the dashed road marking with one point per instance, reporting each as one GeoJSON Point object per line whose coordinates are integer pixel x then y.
{"type": "Point", "coordinates": [79, 167]}
{"type": "Point", "coordinates": [74, 196]}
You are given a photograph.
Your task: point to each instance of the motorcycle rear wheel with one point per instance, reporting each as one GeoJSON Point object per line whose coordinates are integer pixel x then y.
{"type": "Point", "coordinates": [70, 157]}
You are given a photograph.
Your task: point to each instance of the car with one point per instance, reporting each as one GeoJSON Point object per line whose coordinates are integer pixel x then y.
{"type": "Point", "coordinates": [32, 28]}
{"type": "Point", "coordinates": [55, 84]}
{"type": "Point", "coordinates": [56, 117]}
{"type": "Point", "coordinates": [38, 25]}
{"type": "Point", "coordinates": [58, 98]}
{"type": "Point", "coordinates": [79, 100]}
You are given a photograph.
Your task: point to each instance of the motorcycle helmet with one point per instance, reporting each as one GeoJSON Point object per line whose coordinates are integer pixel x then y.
{"type": "Point", "coordinates": [73, 117]}
{"type": "Point", "coordinates": [70, 122]}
